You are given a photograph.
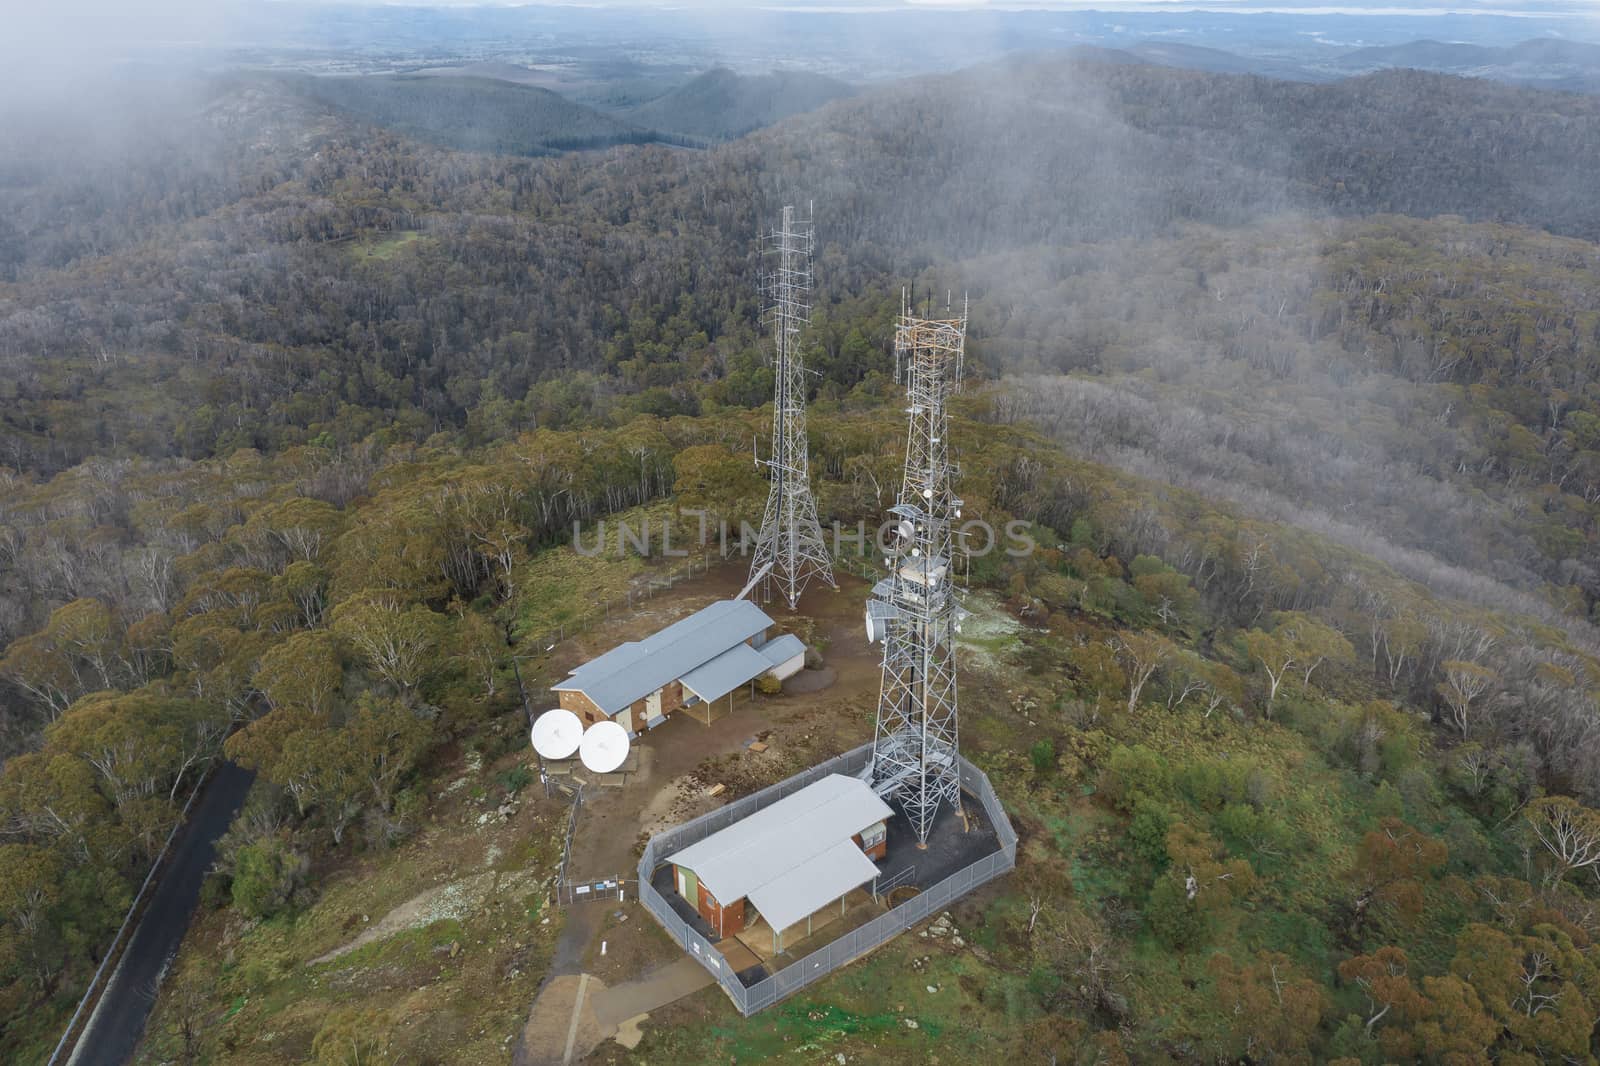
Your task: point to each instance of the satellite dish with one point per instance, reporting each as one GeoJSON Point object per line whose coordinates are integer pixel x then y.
{"type": "Point", "coordinates": [875, 628]}
{"type": "Point", "coordinates": [604, 747]}
{"type": "Point", "coordinates": [906, 529]}
{"type": "Point", "coordinates": [557, 733]}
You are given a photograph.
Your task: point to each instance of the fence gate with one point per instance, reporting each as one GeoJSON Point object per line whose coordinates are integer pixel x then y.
{"type": "Point", "coordinates": [611, 889]}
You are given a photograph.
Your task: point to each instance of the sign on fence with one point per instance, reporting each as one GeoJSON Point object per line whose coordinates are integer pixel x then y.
{"type": "Point", "coordinates": [607, 889]}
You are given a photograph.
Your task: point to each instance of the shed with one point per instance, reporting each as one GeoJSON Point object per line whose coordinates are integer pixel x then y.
{"type": "Point", "coordinates": [786, 654]}
{"type": "Point", "coordinates": [789, 860]}
{"type": "Point", "coordinates": [700, 658]}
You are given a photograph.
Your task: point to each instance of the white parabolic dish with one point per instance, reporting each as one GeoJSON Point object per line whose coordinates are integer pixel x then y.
{"type": "Point", "coordinates": [604, 747]}
{"type": "Point", "coordinates": [557, 734]}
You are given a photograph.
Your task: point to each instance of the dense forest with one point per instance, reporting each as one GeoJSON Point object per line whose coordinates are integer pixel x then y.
{"type": "Point", "coordinates": [476, 114]}
{"type": "Point", "coordinates": [720, 105]}
{"type": "Point", "coordinates": [1300, 733]}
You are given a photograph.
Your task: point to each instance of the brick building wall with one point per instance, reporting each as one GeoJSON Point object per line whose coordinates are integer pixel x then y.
{"type": "Point", "coordinates": [582, 706]}
{"type": "Point", "coordinates": [725, 920]}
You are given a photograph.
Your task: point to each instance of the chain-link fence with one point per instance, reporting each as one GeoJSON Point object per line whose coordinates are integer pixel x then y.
{"type": "Point", "coordinates": [598, 890]}
{"type": "Point", "coordinates": [851, 945]}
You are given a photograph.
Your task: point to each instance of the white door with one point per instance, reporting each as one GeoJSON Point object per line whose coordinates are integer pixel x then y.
{"type": "Point", "coordinates": [652, 704]}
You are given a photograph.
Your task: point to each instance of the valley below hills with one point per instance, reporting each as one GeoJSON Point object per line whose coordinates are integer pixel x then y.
{"type": "Point", "coordinates": [1291, 377]}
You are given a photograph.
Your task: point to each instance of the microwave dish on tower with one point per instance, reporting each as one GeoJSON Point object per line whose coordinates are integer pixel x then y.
{"type": "Point", "coordinates": [557, 734]}
{"type": "Point", "coordinates": [604, 747]}
{"type": "Point", "coordinates": [914, 613]}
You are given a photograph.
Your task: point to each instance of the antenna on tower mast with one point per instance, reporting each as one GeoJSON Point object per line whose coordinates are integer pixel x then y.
{"type": "Point", "coordinates": [790, 550]}
{"type": "Point", "coordinates": [914, 611]}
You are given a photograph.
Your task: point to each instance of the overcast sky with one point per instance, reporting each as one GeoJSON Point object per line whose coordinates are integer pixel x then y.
{"type": "Point", "coordinates": [1395, 6]}
{"type": "Point", "coordinates": [124, 11]}
{"type": "Point", "coordinates": [42, 33]}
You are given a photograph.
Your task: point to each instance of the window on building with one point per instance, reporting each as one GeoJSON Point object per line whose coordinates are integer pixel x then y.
{"type": "Point", "coordinates": [872, 837]}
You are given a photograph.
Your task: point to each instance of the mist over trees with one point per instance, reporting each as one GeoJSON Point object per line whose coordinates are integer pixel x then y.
{"type": "Point", "coordinates": [296, 410]}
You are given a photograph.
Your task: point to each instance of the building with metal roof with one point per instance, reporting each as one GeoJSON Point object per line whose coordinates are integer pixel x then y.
{"type": "Point", "coordinates": [787, 861]}
{"type": "Point", "coordinates": [701, 658]}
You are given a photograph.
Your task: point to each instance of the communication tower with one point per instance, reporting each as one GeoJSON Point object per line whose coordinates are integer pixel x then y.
{"type": "Point", "coordinates": [913, 611]}
{"type": "Point", "coordinates": [790, 550]}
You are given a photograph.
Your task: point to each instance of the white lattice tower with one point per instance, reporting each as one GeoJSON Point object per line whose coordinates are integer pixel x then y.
{"type": "Point", "coordinates": [789, 551]}
{"type": "Point", "coordinates": [914, 611]}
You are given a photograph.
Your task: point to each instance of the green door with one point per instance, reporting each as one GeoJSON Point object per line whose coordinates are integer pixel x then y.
{"type": "Point", "coordinates": [688, 886]}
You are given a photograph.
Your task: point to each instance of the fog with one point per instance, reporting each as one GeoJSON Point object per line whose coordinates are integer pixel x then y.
{"type": "Point", "coordinates": [302, 371]}
{"type": "Point", "coordinates": [50, 49]}
{"type": "Point", "coordinates": [1091, 210]}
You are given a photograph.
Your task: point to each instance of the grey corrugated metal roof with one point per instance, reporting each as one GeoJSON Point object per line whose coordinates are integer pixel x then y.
{"type": "Point", "coordinates": [794, 841]}
{"type": "Point", "coordinates": [726, 672]}
{"type": "Point", "coordinates": [824, 879]}
{"type": "Point", "coordinates": [631, 671]}
{"type": "Point", "coordinates": [780, 650]}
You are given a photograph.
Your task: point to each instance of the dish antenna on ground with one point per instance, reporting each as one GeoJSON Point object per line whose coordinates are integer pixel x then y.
{"type": "Point", "coordinates": [604, 747]}
{"type": "Point", "coordinates": [557, 734]}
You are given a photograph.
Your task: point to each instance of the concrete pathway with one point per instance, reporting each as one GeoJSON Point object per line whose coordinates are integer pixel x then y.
{"type": "Point", "coordinates": [574, 1014]}
{"type": "Point", "coordinates": [663, 985]}
{"type": "Point", "coordinates": [562, 1028]}
{"type": "Point", "coordinates": [577, 1016]}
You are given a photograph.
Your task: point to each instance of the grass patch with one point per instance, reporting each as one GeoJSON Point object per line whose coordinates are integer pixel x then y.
{"type": "Point", "coordinates": [384, 246]}
{"type": "Point", "coordinates": [560, 588]}
{"type": "Point", "coordinates": [404, 948]}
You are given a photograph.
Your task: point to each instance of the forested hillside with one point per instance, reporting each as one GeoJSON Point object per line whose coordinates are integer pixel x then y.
{"type": "Point", "coordinates": [720, 105]}
{"type": "Point", "coordinates": [1420, 390]}
{"type": "Point", "coordinates": [1297, 710]}
{"type": "Point", "coordinates": [1543, 62]}
{"type": "Point", "coordinates": [348, 612]}
{"type": "Point", "coordinates": [361, 281]}
{"type": "Point", "coordinates": [475, 114]}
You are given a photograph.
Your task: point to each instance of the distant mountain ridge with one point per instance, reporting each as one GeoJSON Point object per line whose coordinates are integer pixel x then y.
{"type": "Point", "coordinates": [1058, 148]}
{"type": "Point", "coordinates": [1417, 55]}
{"type": "Point", "coordinates": [1540, 63]}
{"type": "Point", "coordinates": [496, 108]}
{"type": "Point", "coordinates": [720, 104]}
{"type": "Point", "coordinates": [1444, 55]}
{"type": "Point", "coordinates": [499, 107]}
{"type": "Point", "coordinates": [475, 114]}
{"type": "Point", "coordinates": [1543, 63]}
{"type": "Point", "coordinates": [1217, 61]}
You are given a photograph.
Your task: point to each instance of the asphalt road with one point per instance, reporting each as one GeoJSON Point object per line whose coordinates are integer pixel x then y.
{"type": "Point", "coordinates": [118, 1021]}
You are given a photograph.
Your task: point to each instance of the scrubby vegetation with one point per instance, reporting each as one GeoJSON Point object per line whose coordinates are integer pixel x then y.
{"type": "Point", "coordinates": [1236, 722]}
{"type": "Point", "coordinates": [1298, 717]}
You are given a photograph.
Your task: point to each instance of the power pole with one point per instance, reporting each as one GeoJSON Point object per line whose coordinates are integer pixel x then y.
{"type": "Point", "coordinates": [790, 550]}
{"type": "Point", "coordinates": [914, 611]}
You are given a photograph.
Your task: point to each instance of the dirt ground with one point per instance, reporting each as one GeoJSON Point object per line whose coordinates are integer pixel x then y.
{"type": "Point", "coordinates": [454, 923]}
{"type": "Point", "coordinates": [561, 1028]}
{"type": "Point", "coordinates": [822, 711]}
{"type": "Point", "coordinates": [819, 713]}
{"type": "Point", "coordinates": [450, 925]}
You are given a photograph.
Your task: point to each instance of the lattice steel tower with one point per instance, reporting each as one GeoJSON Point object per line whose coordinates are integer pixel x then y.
{"type": "Point", "coordinates": [914, 611]}
{"type": "Point", "coordinates": [790, 550]}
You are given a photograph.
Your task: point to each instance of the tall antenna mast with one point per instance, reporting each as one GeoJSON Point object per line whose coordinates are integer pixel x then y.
{"type": "Point", "coordinates": [914, 611]}
{"type": "Point", "coordinates": [790, 550]}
